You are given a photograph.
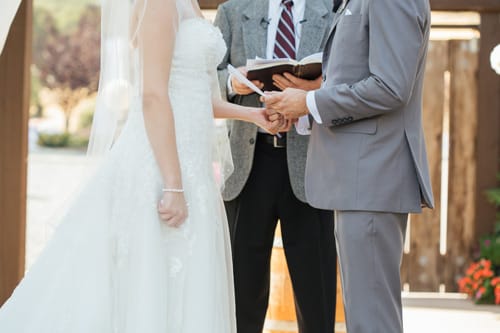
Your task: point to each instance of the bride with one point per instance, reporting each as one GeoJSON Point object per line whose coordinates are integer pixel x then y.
{"type": "Point", "coordinates": [144, 248]}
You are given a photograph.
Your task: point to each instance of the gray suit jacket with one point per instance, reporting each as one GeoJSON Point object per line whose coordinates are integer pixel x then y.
{"type": "Point", "coordinates": [369, 153]}
{"type": "Point", "coordinates": [244, 28]}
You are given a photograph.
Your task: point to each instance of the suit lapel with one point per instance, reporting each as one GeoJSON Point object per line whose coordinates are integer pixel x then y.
{"type": "Point", "coordinates": [331, 34]}
{"type": "Point", "coordinates": [255, 29]}
{"type": "Point", "coordinates": [338, 16]}
{"type": "Point", "coordinates": [314, 28]}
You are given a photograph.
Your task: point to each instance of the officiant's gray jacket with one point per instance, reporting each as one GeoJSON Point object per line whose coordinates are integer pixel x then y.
{"type": "Point", "coordinates": [243, 25]}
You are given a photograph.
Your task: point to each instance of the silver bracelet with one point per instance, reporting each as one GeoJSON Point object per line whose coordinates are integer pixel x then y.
{"type": "Point", "coordinates": [173, 190]}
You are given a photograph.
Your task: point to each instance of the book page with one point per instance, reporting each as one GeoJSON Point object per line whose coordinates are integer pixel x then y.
{"type": "Point", "coordinates": [259, 63]}
{"type": "Point", "coordinates": [316, 57]}
{"type": "Point", "coordinates": [265, 63]}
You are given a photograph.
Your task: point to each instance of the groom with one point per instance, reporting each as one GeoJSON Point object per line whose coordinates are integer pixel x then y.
{"type": "Point", "coordinates": [268, 181]}
{"type": "Point", "coordinates": [367, 157]}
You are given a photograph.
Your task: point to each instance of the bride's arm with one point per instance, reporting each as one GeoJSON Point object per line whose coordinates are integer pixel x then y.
{"type": "Point", "coordinates": [157, 38]}
{"type": "Point", "coordinates": [258, 116]}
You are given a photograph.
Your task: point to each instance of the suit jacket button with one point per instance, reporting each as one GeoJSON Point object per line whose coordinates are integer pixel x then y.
{"type": "Point", "coordinates": [252, 141]}
{"type": "Point", "coordinates": [324, 78]}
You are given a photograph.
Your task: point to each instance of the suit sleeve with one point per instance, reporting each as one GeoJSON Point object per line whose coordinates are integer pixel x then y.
{"type": "Point", "coordinates": [396, 39]}
{"type": "Point", "coordinates": [222, 22]}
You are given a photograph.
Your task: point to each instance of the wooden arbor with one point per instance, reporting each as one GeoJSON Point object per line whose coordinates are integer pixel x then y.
{"type": "Point", "coordinates": [15, 81]}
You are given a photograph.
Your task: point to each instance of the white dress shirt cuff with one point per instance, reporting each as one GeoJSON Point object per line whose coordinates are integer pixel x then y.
{"type": "Point", "coordinates": [313, 108]}
{"type": "Point", "coordinates": [303, 126]}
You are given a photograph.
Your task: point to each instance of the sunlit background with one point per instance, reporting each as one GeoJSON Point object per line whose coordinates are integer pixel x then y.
{"type": "Point", "coordinates": [65, 73]}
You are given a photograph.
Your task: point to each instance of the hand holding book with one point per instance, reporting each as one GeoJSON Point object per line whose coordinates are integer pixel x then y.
{"type": "Point", "coordinates": [240, 84]}
{"type": "Point", "coordinates": [272, 72]}
{"type": "Point", "coordinates": [287, 80]}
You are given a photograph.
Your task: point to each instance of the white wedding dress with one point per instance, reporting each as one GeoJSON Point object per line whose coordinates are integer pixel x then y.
{"type": "Point", "coordinates": [112, 266]}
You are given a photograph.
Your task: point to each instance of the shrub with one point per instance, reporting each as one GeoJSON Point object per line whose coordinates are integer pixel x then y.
{"type": "Point", "coordinates": [54, 140]}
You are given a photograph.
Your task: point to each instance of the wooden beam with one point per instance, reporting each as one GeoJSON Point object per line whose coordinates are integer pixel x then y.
{"type": "Point", "coordinates": [488, 136]}
{"type": "Point", "coordinates": [444, 5]}
{"type": "Point", "coordinates": [14, 102]}
{"type": "Point", "coordinates": [210, 4]}
{"type": "Point", "coordinates": [466, 5]}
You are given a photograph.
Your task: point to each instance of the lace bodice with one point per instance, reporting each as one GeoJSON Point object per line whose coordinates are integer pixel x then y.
{"type": "Point", "coordinates": [193, 80]}
{"type": "Point", "coordinates": [199, 49]}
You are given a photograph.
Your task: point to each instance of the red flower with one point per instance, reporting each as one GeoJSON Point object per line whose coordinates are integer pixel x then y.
{"type": "Point", "coordinates": [486, 263]}
{"type": "Point", "coordinates": [472, 268]}
{"type": "Point", "coordinates": [480, 282]}
{"type": "Point", "coordinates": [495, 281]}
{"type": "Point", "coordinates": [487, 273]}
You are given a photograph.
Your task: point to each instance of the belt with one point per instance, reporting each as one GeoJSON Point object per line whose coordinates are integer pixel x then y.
{"type": "Point", "coordinates": [272, 140]}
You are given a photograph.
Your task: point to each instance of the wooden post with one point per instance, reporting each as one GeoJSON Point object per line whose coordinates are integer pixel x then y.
{"type": "Point", "coordinates": [14, 102]}
{"type": "Point", "coordinates": [210, 4]}
{"type": "Point", "coordinates": [421, 266]}
{"type": "Point", "coordinates": [462, 214]}
{"type": "Point", "coordinates": [488, 136]}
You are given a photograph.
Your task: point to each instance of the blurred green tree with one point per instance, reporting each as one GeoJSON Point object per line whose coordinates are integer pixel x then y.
{"type": "Point", "coordinates": [44, 29]}
{"type": "Point", "coordinates": [69, 63]}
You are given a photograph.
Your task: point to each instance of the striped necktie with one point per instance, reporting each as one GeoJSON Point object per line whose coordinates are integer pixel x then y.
{"type": "Point", "coordinates": [285, 35]}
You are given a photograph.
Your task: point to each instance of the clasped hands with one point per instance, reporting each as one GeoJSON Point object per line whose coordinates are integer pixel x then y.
{"type": "Point", "coordinates": [282, 109]}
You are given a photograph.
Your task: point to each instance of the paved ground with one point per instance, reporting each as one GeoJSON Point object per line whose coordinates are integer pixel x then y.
{"type": "Point", "coordinates": [54, 175]}
{"type": "Point", "coordinates": [448, 313]}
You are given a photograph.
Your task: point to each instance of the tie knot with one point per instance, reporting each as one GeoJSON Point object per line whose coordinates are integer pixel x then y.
{"type": "Point", "coordinates": [287, 3]}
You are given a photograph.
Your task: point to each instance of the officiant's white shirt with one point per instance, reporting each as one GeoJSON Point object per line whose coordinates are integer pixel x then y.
{"type": "Point", "coordinates": [274, 16]}
{"type": "Point", "coordinates": [8, 10]}
{"type": "Point", "coordinates": [275, 9]}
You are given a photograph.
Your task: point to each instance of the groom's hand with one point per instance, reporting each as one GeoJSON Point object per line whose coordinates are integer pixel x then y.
{"type": "Point", "coordinates": [288, 80]}
{"type": "Point", "coordinates": [291, 103]}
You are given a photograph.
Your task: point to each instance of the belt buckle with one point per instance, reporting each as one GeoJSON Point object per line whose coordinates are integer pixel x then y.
{"type": "Point", "coordinates": [275, 143]}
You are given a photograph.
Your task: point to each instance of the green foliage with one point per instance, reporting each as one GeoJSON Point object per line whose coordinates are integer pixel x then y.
{"type": "Point", "coordinates": [36, 86]}
{"type": "Point", "coordinates": [494, 194]}
{"type": "Point", "coordinates": [44, 31]}
{"type": "Point", "coordinates": [61, 140]}
{"type": "Point", "coordinates": [490, 246]}
{"type": "Point", "coordinates": [482, 279]}
{"type": "Point", "coordinates": [67, 61]}
{"type": "Point", "coordinates": [78, 141]}
{"type": "Point", "coordinates": [87, 117]}
{"type": "Point", "coordinates": [54, 140]}
{"type": "Point", "coordinates": [494, 197]}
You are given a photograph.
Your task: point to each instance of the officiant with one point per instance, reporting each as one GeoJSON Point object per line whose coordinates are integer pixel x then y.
{"type": "Point", "coordinates": [268, 182]}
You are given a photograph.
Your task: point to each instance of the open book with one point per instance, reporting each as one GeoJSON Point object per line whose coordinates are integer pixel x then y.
{"type": "Point", "coordinates": [263, 70]}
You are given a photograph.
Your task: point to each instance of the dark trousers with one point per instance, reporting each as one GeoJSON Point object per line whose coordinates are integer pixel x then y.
{"type": "Point", "coordinates": [308, 240]}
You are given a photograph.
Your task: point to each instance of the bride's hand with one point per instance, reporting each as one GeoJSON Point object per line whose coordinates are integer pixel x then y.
{"type": "Point", "coordinates": [173, 209]}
